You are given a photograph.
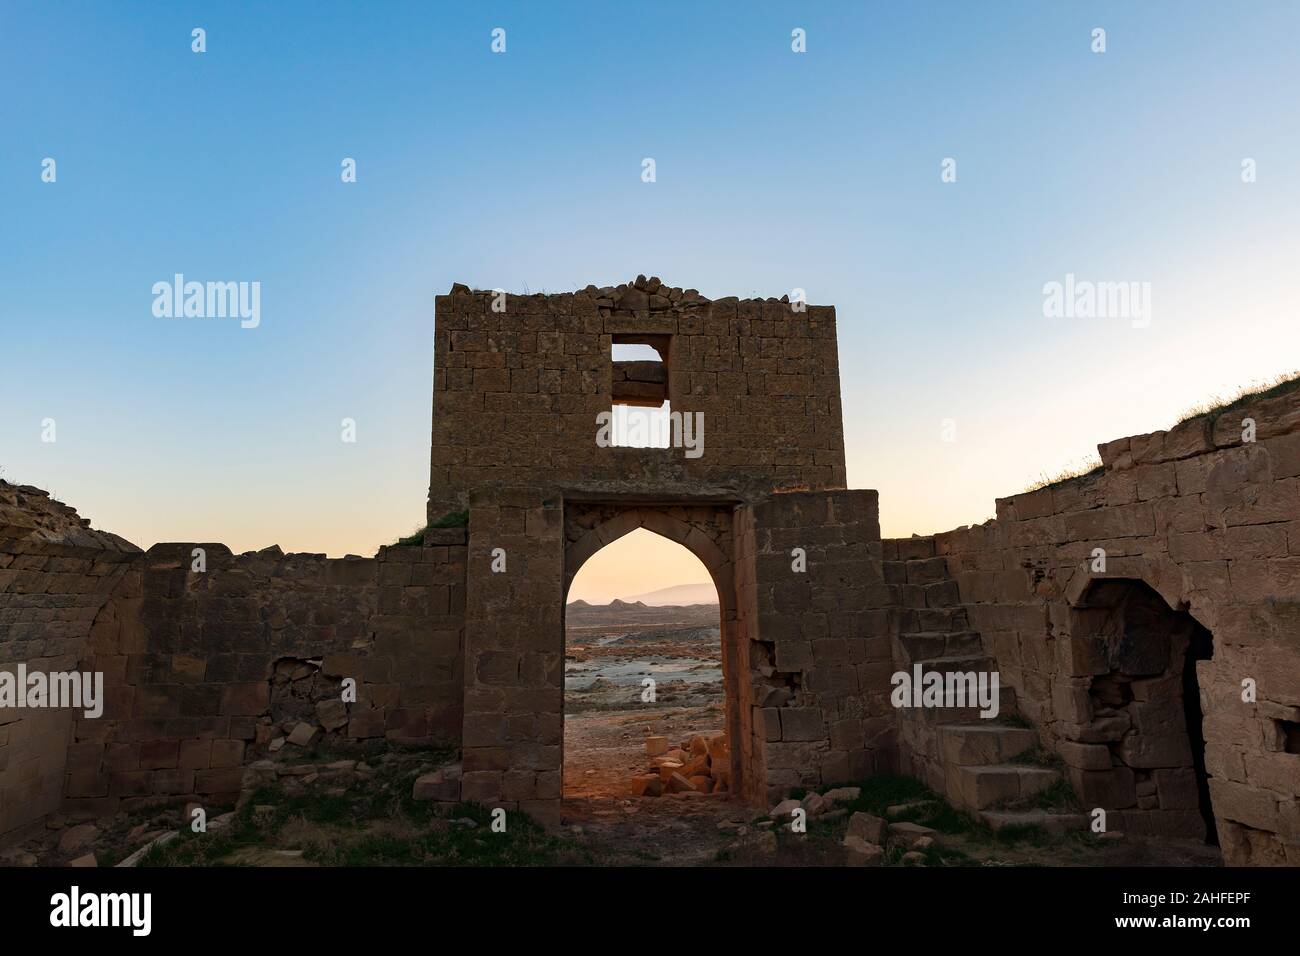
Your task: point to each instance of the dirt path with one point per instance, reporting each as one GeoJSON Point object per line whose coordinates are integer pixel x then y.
{"type": "Point", "coordinates": [604, 750]}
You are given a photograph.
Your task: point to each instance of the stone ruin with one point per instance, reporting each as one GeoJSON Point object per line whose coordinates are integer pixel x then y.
{"type": "Point", "coordinates": [1163, 682]}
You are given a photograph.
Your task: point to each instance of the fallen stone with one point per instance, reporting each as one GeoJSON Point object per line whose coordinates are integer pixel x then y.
{"type": "Point", "coordinates": [442, 785]}
{"type": "Point", "coordinates": [332, 714]}
{"type": "Point", "coordinates": [784, 809]}
{"type": "Point", "coordinates": [87, 860]}
{"type": "Point", "coordinates": [867, 827]}
{"type": "Point", "coordinates": [696, 766]}
{"type": "Point", "coordinates": [679, 784]}
{"type": "Point", "coordinates": [647, 785]}
{"type": "Point", "coordinates": [913, 858]}
{"type": "Point", "coordinates": [74, 838]}
{"type": "Point", "coordinates": [667, 768]}
{"type": "Point", "coordinates": [909, 833]}
{"type": "Point", "coordinates": [655, 746]}
{"type": "Point", "coordinates": [858, 852]}
{"type": "Point", "coordinates": [842, 794]}
{"type": "Point", "coordinates": [304, 735]}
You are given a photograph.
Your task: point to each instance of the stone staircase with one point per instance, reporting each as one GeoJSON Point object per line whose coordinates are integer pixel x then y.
{"type": "Point", "coordinates": [968, 759]}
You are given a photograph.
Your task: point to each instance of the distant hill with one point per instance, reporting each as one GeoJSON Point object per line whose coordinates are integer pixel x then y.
{"type": "Point", "coordinates": [617, 605]}
{"type": "Point", "coordinates": [624, 614]}
{"type": "Point", "coordinates": [680, 595]}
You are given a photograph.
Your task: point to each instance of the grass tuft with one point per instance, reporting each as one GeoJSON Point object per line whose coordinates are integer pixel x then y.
{"type": "Point", "coordinates": [1088, 468]}
{"type": "Point", "coordinates": [1274, 387]}
{"type": "Point", "coordinates": [452, 519]}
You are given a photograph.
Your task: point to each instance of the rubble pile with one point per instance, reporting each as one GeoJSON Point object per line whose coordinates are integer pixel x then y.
{"type": "Point", "coordinates": [700, 765]}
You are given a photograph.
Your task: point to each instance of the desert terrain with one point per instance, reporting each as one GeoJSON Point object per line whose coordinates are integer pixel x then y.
{"type": "Point", "coordinates": [611, 650]}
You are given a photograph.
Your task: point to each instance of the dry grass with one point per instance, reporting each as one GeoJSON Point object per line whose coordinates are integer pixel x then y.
{"type": "Point", "coordinates": [1214, 405]}
{"type": "Point", "coordinates": [1088, 466]}
{"type": "Point", "coordinates": [1217, 405]}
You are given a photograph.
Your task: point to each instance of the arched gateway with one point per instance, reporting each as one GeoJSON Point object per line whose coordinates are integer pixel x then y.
{"type": "Point", "coordinates": [753, 476]}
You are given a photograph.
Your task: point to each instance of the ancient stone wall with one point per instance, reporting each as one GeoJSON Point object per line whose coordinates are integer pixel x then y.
{"type": "Point", "coordinates": [517, 392]}
{"type": "Point", "coordinates": [1144, 619]}
{"type": "Point", "coordinates": [1210, 523]}
{"type": "Point", "coordinates": [209, 669]}
{"type": "Point", "coordinates": [818, 640]}
{"type": "Point", "coordinates": [55, 575]}
{"type": "Point", "coordinates": [514, 652]}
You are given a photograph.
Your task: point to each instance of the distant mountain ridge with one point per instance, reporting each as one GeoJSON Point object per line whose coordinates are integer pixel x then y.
{"type": "Point", "coordinates": [680, 595]}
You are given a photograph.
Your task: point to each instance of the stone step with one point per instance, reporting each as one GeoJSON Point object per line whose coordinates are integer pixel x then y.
{"type": "Point", "coordinates": [979, 788]}
{"type": "Point", "coordinates": [984, 743]}
{"type": "Point", "coordinates": [959, 715]}
{"type": "Point", "coordinates": [948, 664]}
{"type": "Point", "coordinates": [1054, 823]}
{"type": "Point", "coordinates": [923, 645]}
{"type": "Point", "coordinates": [915, 620]}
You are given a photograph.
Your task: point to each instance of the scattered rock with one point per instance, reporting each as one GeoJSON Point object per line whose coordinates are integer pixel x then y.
{"type": "Point", "coordinates": [74, 838]}
{"type": "Point", "coordinates": [702, 762]}
{"type": "Point", "coordinates": [332, 714]}
{"type": "Point", "coordinates": [679, 784]}
{"type": "Point", "coordinates": [909, 833]}
{"type": "Point", "coordinates": [648, 785]}
{"type": "Point", "coordinates": [859, 852]}
{"type": "Point", "coordinates": [784, 809]}
{"type": "Point", "coordinates": [87, 860]}
{"type": "Point", "coordinates": [842, 794]}
{"type": "Point", "coordinates": [867, 827]}
{"type": "Point", "coordinates": [443, 785]}
{"type": "Point", "coordinates": [304, 734]}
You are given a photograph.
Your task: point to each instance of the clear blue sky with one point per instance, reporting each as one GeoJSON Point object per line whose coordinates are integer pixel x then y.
{"type": "Point", "coordinates": [775, 170]}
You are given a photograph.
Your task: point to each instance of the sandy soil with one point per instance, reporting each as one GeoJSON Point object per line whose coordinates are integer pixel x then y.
{"type": "Point", "coordinates": [610, 652]}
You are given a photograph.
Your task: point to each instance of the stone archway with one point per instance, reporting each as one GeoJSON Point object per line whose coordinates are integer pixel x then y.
{"type": "Point", "coordinates": [1139, 749]}
{"type": "Point", "coordinates": [706, 530]}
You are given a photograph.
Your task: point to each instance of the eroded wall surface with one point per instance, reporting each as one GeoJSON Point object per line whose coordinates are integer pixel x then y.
{"type": "Point", "coordinates": [55, 575]}
{"type": "Point", "coordinates": [207, 668]}
{"type": "Point", "coordinates": [816, 613]}
{"type": "Point", "coordinates": [1211, 523]}
{"type": "Point", "coordinates": [517, 392]}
